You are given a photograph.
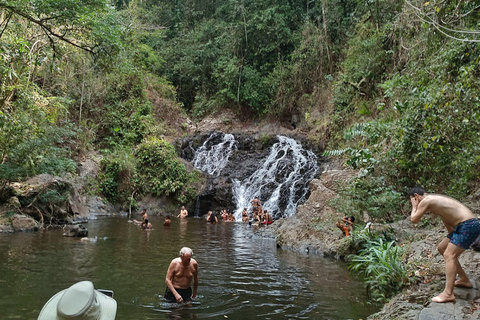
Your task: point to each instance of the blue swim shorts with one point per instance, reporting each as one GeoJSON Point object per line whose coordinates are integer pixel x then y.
{"type": "Point", "coordinates": [465, 233]}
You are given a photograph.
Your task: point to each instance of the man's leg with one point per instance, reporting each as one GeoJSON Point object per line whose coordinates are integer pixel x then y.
{"type": "Point", "coordinates": [463, 280]}
{"type": "Point", "coordinates": [452, 267]}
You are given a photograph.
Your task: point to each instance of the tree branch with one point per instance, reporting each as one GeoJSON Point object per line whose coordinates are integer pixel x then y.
{"type": "Point", "coordinates": [6, 24]}
{"type": "Point", "coordinates": [48, 29]}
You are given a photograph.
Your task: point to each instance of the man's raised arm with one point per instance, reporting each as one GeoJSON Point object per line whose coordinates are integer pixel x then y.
{"type": "Point", "coordinates": [418, 209]}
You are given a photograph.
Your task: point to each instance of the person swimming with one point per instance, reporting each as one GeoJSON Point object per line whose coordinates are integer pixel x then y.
{"type": "Point", "coordinates": [147, 225]}
{"type": "Point", "coordinates": [167, 221]}
{"type": "Point", "coordinates": [212, 218]}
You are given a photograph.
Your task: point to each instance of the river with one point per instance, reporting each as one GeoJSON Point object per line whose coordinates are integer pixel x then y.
{"type": "Point", "coordinates": [241, 276]}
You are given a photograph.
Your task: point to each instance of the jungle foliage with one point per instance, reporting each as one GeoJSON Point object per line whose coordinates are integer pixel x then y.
{"type": "Point", "coordinates": [391, 86]}
{"type": "Point", "coordinates": [406, 109]}
{"type": "Point", "coordinates": [74, 77]}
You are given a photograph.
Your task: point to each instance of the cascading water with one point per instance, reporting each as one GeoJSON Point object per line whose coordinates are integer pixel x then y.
{"type": "Point", "coordinates": [280, 177]}
{"type": "Point", "coordinates": [197, 208]}
{"type": "Point", "coordinates": [281, 182]}
{"type": "Point", "coordinates": [213, 155]}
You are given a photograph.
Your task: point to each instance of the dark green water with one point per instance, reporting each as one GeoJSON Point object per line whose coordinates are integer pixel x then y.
{"type": "Point", "coordinates": [241, 276]}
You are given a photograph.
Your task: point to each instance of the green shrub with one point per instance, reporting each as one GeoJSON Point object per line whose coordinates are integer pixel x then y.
{"type": "Point", "coordinates": [117, 177]}
{"type": "Point", "coordinates": [370, 195]}
{"type": "Point", "coordinates": [161, 172]}
{"type": "Point", "coordinates": [380, 263]}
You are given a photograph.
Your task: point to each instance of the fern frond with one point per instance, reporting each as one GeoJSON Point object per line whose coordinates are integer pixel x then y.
{"type": "Point", "coordinates": [358, 129]}
{"type": "Point", "coordinates": [330, 153]}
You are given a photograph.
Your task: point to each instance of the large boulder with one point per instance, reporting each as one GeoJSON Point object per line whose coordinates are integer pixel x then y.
{"type": "Point", "coordinates": [22, 222]}
{"type": "Point", "coordinates": [5, 225]}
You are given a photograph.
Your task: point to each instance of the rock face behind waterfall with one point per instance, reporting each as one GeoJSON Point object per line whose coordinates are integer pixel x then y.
{"type": "Point", "coordinates": [245, 157]}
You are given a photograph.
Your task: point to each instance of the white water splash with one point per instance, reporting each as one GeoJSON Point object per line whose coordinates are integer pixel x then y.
{"type": "Point", "coordinates": [281, 182]}
{"type": "Point", "coordinates": [213, 156]}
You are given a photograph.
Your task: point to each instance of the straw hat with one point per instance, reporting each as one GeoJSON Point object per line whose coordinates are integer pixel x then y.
{"type": "Point", "coordinates": [80, 301]}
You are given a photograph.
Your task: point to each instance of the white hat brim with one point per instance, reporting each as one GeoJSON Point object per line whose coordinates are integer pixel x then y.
{"type": "Point", "coordinates": [108, 307]}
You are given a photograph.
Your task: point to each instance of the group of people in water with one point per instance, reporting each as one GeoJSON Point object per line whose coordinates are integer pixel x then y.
{"type": "Point", "coordinates": [257, 217]}
{"type": "Point", "coordinates": [146, 225]}
{"type": "Point", "coordinates": [462, 225]}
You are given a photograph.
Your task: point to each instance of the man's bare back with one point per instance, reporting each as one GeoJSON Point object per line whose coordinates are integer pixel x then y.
{"type": "Point", "coordinates": [451, 211]}
{"type": "Point", "coordinates": [463, 228]}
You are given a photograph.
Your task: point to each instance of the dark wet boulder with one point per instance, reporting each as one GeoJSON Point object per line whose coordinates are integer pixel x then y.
{"type": "Point", "coordinates": [78, 230]}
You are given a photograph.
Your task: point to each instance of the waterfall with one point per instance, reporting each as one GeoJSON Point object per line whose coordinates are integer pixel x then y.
{"type": "Point", "coordinates": [278, 176]}
{"type": "Point", "coordinates": [281, 182]}
{"type": "Point", "coordinates": [197, 208]}
{"type": "Point", "coordinates": [213, 155]}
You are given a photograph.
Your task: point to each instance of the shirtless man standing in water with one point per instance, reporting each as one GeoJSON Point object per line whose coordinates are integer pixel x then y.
{"type": "Point", "coordinates": [463, 229]}
{"type": "Point", "coordinates": [183, 213]}
{"type": "Point", "coordinates": [179, 277]}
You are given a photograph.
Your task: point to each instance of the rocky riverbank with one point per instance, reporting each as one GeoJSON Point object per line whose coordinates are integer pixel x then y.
{"type": "Point", "coordinates": [46, 201]}
{"type": "Point", "coordinates": [313, 229]}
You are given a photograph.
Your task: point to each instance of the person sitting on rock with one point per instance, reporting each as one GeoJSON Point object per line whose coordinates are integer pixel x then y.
{"type": "Point", "coordinates": [346, 225]}
{"type": "Point", "coordinates": [256, 218]}
{"type": "Point", "coordinates": [266, 218]}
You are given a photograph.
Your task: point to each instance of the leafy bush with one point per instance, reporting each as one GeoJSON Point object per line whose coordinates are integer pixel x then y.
{"type": "Point", "coordinates": [127, 114]}
{"type": "Point", "coordinates": [380, 262]}
{"type": "Point", "coordinates": [35, 138]}
{"type": "Point", "coordinates": [118, 177]}
{"type": "Point", "coordinates": [370, 195]}
{"type": "Point", "coordinates": [161, 172]}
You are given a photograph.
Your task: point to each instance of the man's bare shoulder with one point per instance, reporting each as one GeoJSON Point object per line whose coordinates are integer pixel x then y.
{"type": "Point", "coordinates": [440, 198]}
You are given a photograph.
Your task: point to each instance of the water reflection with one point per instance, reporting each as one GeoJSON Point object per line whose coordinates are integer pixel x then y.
{"type": "Point", "coordinates": [240, 275]}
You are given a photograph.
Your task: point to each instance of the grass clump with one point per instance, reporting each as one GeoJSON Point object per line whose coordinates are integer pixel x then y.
{"type": "Point", "coordinates": [380, 262]}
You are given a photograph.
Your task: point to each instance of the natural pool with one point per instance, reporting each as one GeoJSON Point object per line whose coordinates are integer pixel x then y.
{"type": "Point", "coordinates": [241, 276]}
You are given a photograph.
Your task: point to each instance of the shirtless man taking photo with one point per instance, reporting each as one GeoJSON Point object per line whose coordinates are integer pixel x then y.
{"type": "Point", "coordinates": [179, 278]}
{"type": "Point", "coordinates": [183, 213]}
{"type": "Point", "coordinates": [463, 228]}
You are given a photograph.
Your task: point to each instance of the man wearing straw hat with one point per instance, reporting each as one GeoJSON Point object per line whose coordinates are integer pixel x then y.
{"type": "Point", "coordinates": [179, 277]}
{"type": "Point", "coordinates": [80, 301]}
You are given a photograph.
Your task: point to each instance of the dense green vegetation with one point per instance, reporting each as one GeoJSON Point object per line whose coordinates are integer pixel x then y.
{"type": "Point", "coordinates": [73, 79]}
{"type": "Point", "coordinates": [413, 116]}
{"type": "Point", "coordinates": [392, 86]}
